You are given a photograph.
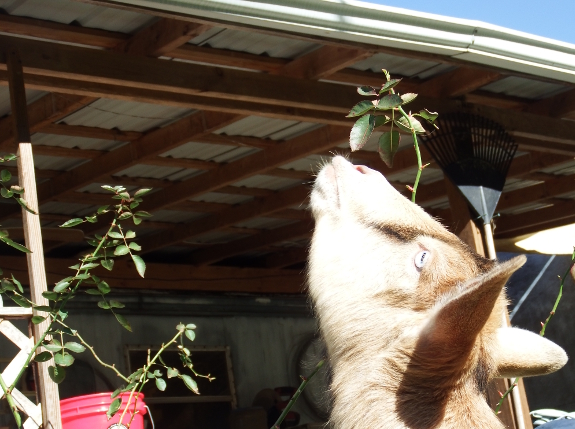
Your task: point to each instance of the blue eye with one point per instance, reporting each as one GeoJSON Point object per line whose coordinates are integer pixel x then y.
{"type": "Point", "coordinates": [421, 258]}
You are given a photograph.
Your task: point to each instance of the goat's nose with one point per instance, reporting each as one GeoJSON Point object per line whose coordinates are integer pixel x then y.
{"type": "Point", "coordinates": [362, 169]}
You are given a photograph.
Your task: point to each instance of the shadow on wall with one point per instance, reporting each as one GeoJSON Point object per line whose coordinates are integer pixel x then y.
{"type": "Point", "coordinates": [541, 274]}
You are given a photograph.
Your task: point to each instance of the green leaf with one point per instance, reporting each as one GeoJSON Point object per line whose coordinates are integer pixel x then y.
{"type": "Point", "coordinates": [130, 234]}
{"type": "Point", "coordinates": [74, 347]}
{"type": "Point", "coordinates": [137, 220]}
{"type": "Point", "coordinates": [114, 407]}
{"type": "Point", "coordinates": [63, 359]}
{"type": "Point", "coordinates": [190, 334]}
{"type": "Point", "coordinates": [141, 192]}
{"type": "Point", "coordinates": [387, 75]}
{"type": "Point", "coordinates": [161, 384]}
{"type": "Point", "coordinates": [92, 219]}
{"type": "Point", "coordinates": [93, 292]}
{"type": "Point", "coordinates": [75, 267]}
{"type": "Point", "coordinates": [107, 264]}
{"type": "Point", "coordinates": [140, 265]}
{"type": "Point", "coordinates": [190, 383]}
{"type": "Point", "coordinates": [122, 249]}
{"type": "Point", "coordinates": [63, 314]}
{"type": "Point", "coordinates": [116, 393]}
{"type": "Point", "coordinates": [150, 374]}
{"type": "Point", "coordinates": [403, 124]}
{"type": "Point", "coordinates": [43, 357]}
{"type": "Point", "coordinates": [57, 373]}
{"type": "Point", "coordinates": [391, 83]}
{"type": "Point", "coordinates": [122, 320]}
{"type": "Point", "coordinates": [359, 109]}
{"type": "Point", "coordinates": [134, 246]}
{"type": "Point", "coordinates": [134, 205]}
{"type": "Point", "coordinates": [388, 145]}
{"type": "Point", "coordinates": [388, 102]}
{"type": "Point", "coordinates": [15, 245]}
{"type": "Point", "coordinates": [43, 308]}
{"type": "Point", "coordinates": [52, 296]}
{"type": "Point", "coordinates": [381, 120]}
{"type": "Point", "coordinates": [6, 193]}
{"type": "Point", "coordinates": [366, 90]}
{"type": "Point", "coordinates": [37, 319]}
{"type": "Point", "coordinates": [104, 305]}
{"type": "Point", "coordinates": [109, 188]}
{"type": "Point", "coordinates": [104, 288]}
{"type": "Point", "coordinates": [102, 209]}
{"type": "Point", "coordinates": [7, 285]}
{"type": "Point", "coordinates": [114, 234]}
{"type": "Point", "coordinates": [408, 97]}
{"type": "Point", "coordinates": [60, 287]}
{"type": "Point", "coordinates": [190, 326]}
{"type": "Point", "coordinates": [17, 283]}
{"type": "Point", "coordinates": [54, 348]}
{"type": "Point", "coordinates": [427, 115]}
{"type": "Point", "coordinates": [5, 175]}
{"type": "Point", "coordinates": [361, 131]}
{"type": "Point", "coordinates": [21, 301]}
{"type": "Point", "coordinates": [125, 195]}
{"type": "Point", "coordinates": [142, 213]}
{"type": "Point", "coordinates": [89, 266]}
{"type": "Point", "coordinates": [72, 222]}
{"type": "Point", "coordinates": [124, 216]}
{"type": "Point", "coordinates": [180, 327]}
{"type": "Point", "coordinates": [173, 372]}
{"type": "Point", "coordinates": [116, 304]}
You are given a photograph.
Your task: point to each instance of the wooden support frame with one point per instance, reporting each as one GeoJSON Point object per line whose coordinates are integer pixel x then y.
{"type": "Point", "coordinates": [48, 390]}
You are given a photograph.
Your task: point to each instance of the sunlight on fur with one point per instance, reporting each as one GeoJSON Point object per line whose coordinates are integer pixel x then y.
{"type": "Point", "coordinates": [411, 317]}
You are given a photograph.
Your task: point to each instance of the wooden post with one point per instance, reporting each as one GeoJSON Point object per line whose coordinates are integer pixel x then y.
{"type": "Point", "coordinates": [48, 390]}
{"type": "Point", "coordinates": [464, 227]}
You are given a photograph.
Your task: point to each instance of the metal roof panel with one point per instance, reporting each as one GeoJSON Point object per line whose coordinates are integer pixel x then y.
{"type": "Point", "coordinates": [525, 88]}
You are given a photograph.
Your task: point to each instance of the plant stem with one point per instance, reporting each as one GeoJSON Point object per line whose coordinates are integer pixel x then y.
{"type": "Point", "coordinates": [559, 296]}
{"type": "Point", "coordinates": [295, 396]}
{"type": "Point", "coordinates": [417, 152]}
{"type": "Point", "coordinates": [10, 399]}
{"type": "Point", "coordinates": [507, 392]}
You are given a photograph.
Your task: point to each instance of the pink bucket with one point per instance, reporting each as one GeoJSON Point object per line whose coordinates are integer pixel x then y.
{"type": "Point", "coordinates": [89, 412]}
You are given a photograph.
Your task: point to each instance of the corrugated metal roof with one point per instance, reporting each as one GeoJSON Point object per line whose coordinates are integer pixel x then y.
{"type": "Point", "coordinates": [264, 223]}
{"type": "Point", "coordinates": [401, 66]}
{"type": "Point", "coordinates": [311, 163]}
{"type": "Point", "coordinates": [69, 209]}
{"type": "Point", "coordinates": [173, 216]}
{"type": "Point", "coordinates": [213, 197]}
{"type": "Point", "coordinates": [428, 175]}
{"type": "Point", "coordinates": [215, 237]}
{"type": "Point", "coordinates": [514, 183]}
{"type": "Point", "coordinates": [125, 115]}
{"type": "Point", "coordinates": [86, 15]}
{"type": "Point", "coordinates": [43, 162]}
{"type": "Point", "coordinates": [525, 88]}
{"type": "Point", "coordinates": [209, 152]}
{"type": "Point", "coordinates": [275, 129]}
{"type": "Point", "coordinates": [254, 43]}
{"type": "Point", "coordinates": [526, 208]}
{"type": "Point", "coordinates": [75, 142]}
{"type": "Point", "coordinates": [5, 108]}
{"type": "Point", "coordinates": [563, 169]}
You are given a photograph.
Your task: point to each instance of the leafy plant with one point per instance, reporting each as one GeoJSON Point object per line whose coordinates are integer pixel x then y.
{"type": "Point", "coordinates": [57, 340]}
{"type": "Point", "coordinates": [387, 109]}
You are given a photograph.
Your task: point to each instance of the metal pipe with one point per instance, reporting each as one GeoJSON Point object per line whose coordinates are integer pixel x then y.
{"type": "Point", "coordinates": [515, 396]}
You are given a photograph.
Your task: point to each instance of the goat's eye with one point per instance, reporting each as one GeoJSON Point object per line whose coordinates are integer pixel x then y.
{"type": "Point", "coordinates": [421, 258]}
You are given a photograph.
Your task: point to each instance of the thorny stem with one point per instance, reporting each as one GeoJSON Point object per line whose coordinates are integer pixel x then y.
{"type": "Point", "coordinates": [543, 327]}
{"type": "Point", "coordinates": [100, 361]}
{"type": "Point", "coordinates": [295, 396]}
{"type": "Point", "coordinates": [55, 315]}
{"type": "Point", "coordinates": [420, 167]}
{"type": "Point", "coordinates": [10, 399]}
{"type": "Point", "coordinates": [147, 368]}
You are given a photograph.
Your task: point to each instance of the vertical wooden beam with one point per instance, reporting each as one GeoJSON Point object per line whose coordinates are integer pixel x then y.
{"type": "Point", "coordinates": [49, 396]}
{"type": "Point", "coordinates": [465, 228]}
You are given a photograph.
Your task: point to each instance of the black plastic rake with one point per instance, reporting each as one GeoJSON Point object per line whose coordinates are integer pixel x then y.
{"type": "Point", "coordinates": [475, 153]}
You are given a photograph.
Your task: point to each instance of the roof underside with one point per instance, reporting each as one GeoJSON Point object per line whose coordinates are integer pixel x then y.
{"type": "Point", "coordinates": [231, 170]}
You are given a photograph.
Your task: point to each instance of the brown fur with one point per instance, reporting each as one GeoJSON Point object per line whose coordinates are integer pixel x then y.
{"type": "Point", "coordinates": [409, 347]}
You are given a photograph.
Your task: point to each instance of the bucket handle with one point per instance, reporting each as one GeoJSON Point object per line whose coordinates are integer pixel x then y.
{"type": "Point", "coordinates": [151, 418]}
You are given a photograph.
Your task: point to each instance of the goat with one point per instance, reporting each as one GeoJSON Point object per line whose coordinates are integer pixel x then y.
{"type": "Point", "coordinates": [411, 316]}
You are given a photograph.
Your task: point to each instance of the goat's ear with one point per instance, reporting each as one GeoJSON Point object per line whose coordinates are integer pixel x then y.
{"type": "Point", "coordinates": [457, 322]}
{"type": "Point", "coordinates": [520, 353]}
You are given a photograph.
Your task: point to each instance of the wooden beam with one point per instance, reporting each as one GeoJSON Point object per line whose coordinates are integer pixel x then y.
{"type": "Point", "coordinates": [47, 109]}
{"type": "Point", "coordinates": [558, 106]}
{"type": "Point", "coordinates": [548, 147]}
{"type": "Point", "coordinates": [222, 251]}
{"type": "Point", "coordinates": [552, 187]}
{"type": "Point", "coordinates": [560, 213]}
{"type": "Point", "coordinates": [460, 81]}
{"type": "Point", "coordinates": [176, 277]}
{"type": "Point", "coordinates": [114, 134]}
{"type": "Point", "coordinates": [323, 62]}
{"type": "Point", "coordinates": [161, 37]}
{"type": "Point", "coordinates": [258, 163]}
{"type": "Point", "coordinates": [496, 100]}
{"type": "Point", "coordinates": [231, 216]}
{"type": "Point", "coordinates": [286, 258]}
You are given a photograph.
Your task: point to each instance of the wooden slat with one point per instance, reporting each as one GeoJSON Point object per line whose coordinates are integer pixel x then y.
{"type": "Point", "coordinates": [458, 82]}
{"type": "Point", "coordinates": [15, 313]}
{"type": "Point", "coordinates": [177, 277]}
{"type": "Point", "coordinates": [114, 134]}
{"type": "Point", "coordinates": [559, 106]}
{"type": "Point", "coordinates": [561, 213]}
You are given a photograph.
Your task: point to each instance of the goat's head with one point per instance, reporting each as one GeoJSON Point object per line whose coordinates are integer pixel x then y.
{"type": "Point", "coordinates": [411, 316]}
